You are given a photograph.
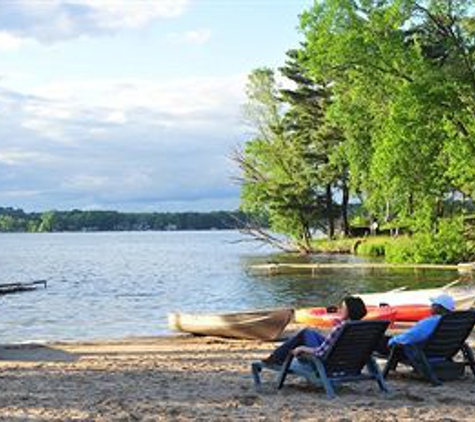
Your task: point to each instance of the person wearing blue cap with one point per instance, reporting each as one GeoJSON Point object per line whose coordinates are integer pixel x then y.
{"type": "Point", "coordinates": [421, 331]}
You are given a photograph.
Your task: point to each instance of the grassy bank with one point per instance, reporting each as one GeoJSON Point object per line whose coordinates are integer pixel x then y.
{"type": "Point", "coordinates": [450, 248]}
{"type": "Point", "coordinates": [344, 245]}
{"type": "Point", "coordinates": [374, 246]}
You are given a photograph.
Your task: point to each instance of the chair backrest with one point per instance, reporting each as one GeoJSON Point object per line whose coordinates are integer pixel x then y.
{"type": "Point", "coordinates": [450, 334]}
{"type": "Point", "coordinates": [354, 346]}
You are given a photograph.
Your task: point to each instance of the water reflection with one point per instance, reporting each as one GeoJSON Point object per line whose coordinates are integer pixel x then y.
{"type": "Point", "coordinates": [329, 286]}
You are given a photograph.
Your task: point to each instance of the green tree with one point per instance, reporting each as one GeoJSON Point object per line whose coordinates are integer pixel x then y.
{"type": "Point", "coordinates": [48, 220]}
{"type": "Point", "coordinates": [403, 80]}
{"type": "Point", "coordinates": [275, 180]}
{"type": "Point", "coordinates": [314, 140]}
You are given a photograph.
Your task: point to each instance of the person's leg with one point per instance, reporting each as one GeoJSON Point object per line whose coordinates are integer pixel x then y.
{"type": "Point", "coordinates": [305, 337]}
{"type": "Point", "coordinates": [312, 338]}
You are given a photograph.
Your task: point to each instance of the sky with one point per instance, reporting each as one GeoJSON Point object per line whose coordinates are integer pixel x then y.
{"type": "Point", "coordinates": [130, 105]}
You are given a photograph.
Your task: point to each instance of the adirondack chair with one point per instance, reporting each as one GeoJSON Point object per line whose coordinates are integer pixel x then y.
{"type": "Point", "coordinates": [343, 362]}
{"type": "Point", "coordinates": [438, 351]}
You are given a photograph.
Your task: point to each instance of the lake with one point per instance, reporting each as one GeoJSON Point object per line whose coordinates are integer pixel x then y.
{"type": "Point", "coordinates": [112, 285]}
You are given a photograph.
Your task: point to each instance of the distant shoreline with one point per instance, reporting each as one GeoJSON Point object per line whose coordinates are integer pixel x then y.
{"type": "Point", "coordinates": [14, 220]}
{"type": "Point", "coordinates": [125, 231]}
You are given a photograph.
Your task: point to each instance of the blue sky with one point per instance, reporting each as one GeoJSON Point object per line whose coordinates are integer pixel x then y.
{"type": "Point", "coordinates": [130, 105]}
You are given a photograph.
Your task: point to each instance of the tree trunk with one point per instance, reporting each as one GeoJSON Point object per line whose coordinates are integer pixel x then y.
{"type": "Point", "coordinates": [329, 203]}
{"type": "Point", "coordinates": [411, 204]}
{"type": "Point", "coordinates": [344, 208]}
{"type": "Point", "coordinates": [305, 243]}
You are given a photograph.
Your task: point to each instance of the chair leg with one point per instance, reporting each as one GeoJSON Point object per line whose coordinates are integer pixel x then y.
{"type": "Point", "coordinates": [468, 354]}
{"type": "Point", "coordinates": [284, 371]}
{"type": "Point", "coordinates": [256, 368]}
{"type": "Point", "coordinates": [421, 363]}
{"type": "Point", "coordinates": [327, 384]}
{"type": "Point", "coordinates": [376, 373]}
{"type": "Point", "coordinates": [392, 362]}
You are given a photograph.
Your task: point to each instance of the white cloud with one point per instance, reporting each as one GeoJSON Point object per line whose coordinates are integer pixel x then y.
{"type": "Point", "coordinates": [86, 182]}
{"type": "Point", "coordinates": [116, 117]}
{"type": "Point", "coordinates": [15, 157]}
{"type": "Point", "coordinates": [196, 37]}
{"type": "Point", "coordinates": [192, 103]}
{"type": "Point", "coordinates": [128, 143]}
{"type": "Point", "coordinates": [49, 129]}
{"type": "Point", "coordinates": [9, 42]}
{"type": "Point", "coordinates": [53, 20]}
{"type": "Point", "coordinates": [24, 193]}
{"type": "Point", "coordinates": [132, 14]}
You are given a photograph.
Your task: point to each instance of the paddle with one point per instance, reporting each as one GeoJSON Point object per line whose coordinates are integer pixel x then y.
{"type": "Point", "coordinates": [453, 283]}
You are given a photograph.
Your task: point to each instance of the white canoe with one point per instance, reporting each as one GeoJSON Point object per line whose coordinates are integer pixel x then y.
{"type": "Point", "coordinates": [262, 325]}
{"type": "Point", "coordinates": [463, 299]}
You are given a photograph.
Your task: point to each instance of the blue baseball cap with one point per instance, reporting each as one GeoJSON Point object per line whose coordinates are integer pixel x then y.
{"type": "Point", "coordinates": [445, 301]}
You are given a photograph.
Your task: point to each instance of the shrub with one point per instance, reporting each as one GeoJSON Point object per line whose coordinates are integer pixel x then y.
{"type": "Point", "coordinates": [373, 246]}
{"type": "Point", "coordinates": [447, 245]}
{"type": "Point", "coordinates": [400, 250]}
{"type": "Point", "coordinates": [344, 245]}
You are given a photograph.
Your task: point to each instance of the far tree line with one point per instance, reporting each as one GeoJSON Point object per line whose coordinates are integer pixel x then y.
{"type": "Point", "coordinates": [17, 220]}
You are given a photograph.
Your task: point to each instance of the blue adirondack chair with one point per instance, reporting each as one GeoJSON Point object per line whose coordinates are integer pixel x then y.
{"type": "Point", "coordinates": [343, 362]}
{"type": "Point", "coordinates": [438, 351]}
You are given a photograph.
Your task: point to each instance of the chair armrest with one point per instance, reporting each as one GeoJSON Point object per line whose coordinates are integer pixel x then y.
{"type": "Point", "coordinates": [306, 356]}
{"type": "Point", "coordinates": [310, 357]}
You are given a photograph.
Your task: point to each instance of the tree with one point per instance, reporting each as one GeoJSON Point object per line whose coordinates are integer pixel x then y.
{"type": "Point", "coordinates": [276, 180]}
{"type": "Point", "coordinates": [316, 141]}
{"type": "Point", "coordinates": [48, 221]}
{"type": "Point", "coordinates": [403, 83]}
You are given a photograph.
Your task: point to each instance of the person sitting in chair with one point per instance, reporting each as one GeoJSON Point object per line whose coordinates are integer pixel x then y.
{"type": "Point", "coordinates": [311, 341]}
{"type": "Point", "coordinates": [421, 331]}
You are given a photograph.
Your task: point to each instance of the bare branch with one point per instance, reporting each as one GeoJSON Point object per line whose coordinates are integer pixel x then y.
{"type": "Point", "coordinates": [256, 233]}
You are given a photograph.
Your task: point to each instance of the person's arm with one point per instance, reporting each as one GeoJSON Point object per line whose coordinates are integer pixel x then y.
{"type": "Point", "coordinates": [302, 349]}
{"type": "Point", "coordinates": [329, 341]}
{"type": "Point", "coordinates": [417, 334]}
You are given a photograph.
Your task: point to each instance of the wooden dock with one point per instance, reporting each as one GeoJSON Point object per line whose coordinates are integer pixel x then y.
{"type": "Point", "coordinates": [313, 268]}
{"type": "Point", "coordinates": [8, 288]}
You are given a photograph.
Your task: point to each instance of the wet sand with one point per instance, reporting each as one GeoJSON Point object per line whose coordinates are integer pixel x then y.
{"type": "Point", "coordinates": [206, 379]}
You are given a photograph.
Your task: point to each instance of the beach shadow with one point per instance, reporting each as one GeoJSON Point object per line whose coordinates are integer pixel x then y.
{"type": "Point", "coordinates": [35, 353]}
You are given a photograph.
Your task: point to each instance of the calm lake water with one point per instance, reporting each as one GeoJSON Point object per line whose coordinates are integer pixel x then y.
{"type": "Point", "coordinates": [111, 285]}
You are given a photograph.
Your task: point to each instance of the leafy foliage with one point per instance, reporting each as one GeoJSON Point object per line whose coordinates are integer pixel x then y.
{"type": "Point", "coordinates": [447, 245]}
{"type": "Point", "coordinates": [403, 77]}
{"type": "Point", "coordinates": [382, 103]}
{"type": "Point", "coordinates": [288, 167]}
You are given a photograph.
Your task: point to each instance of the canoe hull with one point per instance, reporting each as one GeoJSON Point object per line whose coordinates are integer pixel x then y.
{"type": "Point", "coordinates": [259, 325]}
{"type": "Point", "coordinates": [463, 300]}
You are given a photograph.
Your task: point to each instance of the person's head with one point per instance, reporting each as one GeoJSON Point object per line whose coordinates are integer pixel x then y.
{"type": "Point", "coordinates": [442, 304]}
{"type": "Point", "coordinates": [353, 308]}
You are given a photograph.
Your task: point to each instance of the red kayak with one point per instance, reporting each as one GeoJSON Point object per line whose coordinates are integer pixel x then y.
{"type": "Point", "coordinates": [411, 313]}
{"type": "Point", "coordinates": [329, 317]}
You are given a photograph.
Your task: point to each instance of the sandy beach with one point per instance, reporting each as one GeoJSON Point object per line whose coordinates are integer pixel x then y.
{"type": "Point", "coordinates": [189, 378]}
